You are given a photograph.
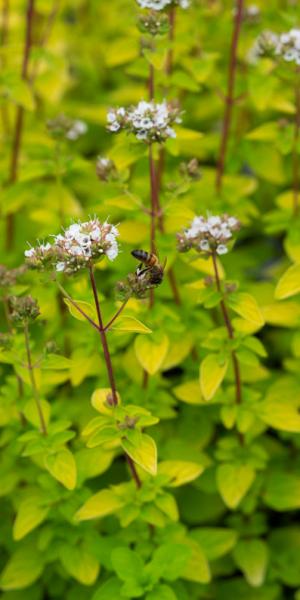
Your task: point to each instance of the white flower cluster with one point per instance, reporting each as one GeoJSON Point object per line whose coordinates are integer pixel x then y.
{"type": "Point", "coordinates": [148, 121]}
{"type": "Point", "coordinates": [162, 4]}
{"type": "Point", "coordinates": [285, 45]}
{"type": "Point", "coordinates": [78, 246]}
{"type": "Point", "coordinates": [65, 127]}
{"type": "Point", "coordinates": [288, 46]}
{"type": "Point", "coordinates": [209, 234]}
{"type": "Point", "coordinates": [77, 129]}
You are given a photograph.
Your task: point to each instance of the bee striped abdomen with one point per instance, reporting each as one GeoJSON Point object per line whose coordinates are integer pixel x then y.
{"type": "Point", "coordinates": [144, 257]}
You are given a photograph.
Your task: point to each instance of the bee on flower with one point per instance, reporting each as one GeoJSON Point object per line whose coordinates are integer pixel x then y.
{"type": "Point", "coordinates": [79, 246]}
{"type": "Point", "coordinates": [148, 121]}
{"type": "Point", "coordinates": [208, 235]}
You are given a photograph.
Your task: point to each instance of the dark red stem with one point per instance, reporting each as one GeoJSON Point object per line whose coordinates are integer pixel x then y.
{"type": "Point", "coordinates": [19, 123]}
{"type": "Point", "coordinates": [230, 331]}
{"type": "Point", "coordinates": [296, 165]}
{"type": "Point", "coordinates": [109, 368]}
{"type": "Point", "coordinates": [229, 100]}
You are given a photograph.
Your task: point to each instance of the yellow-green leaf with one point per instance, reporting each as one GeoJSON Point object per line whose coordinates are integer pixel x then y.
{"type": "Point", "coordinates": [234, 481]}
{"type": "Point", "coordinates": [85, 306]}
{"type": "Point", "coordinates": [100, 400]}
{"type": "Point", "coordinates": [251, 556]}
{"type": "Point", "coordinates": [197, 568]}
{"type": "Point", "coordinates": [212, 373]}
{"type": "Point", "coordinates": [289, 284]}
{"type": "Point", "coordinates": [132, 324]}
{"type": "Point", "coordinates": [189, 392]}
{"type": "Point", "coordinates": [23, 568]}
{"type": "Point", "coordinates": [62, 467]}
{"type": "Point", "coordinates": [246, 306]}
{"type": "Point", "coordinates": [101, 504]}
{"type": "Point", "coordinates": [80, 563]}
{"type": "Point", "coordinates": [180, 472]}
{"type": "Point", "coordinates": [31, 512]}
{"type": "Point", "coordinates": [151, 352]}
{"type": "Point", "coordinates": [145, 454]}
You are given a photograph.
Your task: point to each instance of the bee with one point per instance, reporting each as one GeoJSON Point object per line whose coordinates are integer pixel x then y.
{"type": "Point", "coordinates": [150, 267]}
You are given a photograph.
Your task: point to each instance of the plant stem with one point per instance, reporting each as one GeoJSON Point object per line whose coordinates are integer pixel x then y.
{"type": "Point", "coordinates": [33, 381]}
{"type": "Point", "coordinates": [154, 198]}
{"type": "Point", "coordinates": [296, 165]}
{"type": "Point", "coordinates": [4, 40]}
{"type": "Point", "coordinates": [106, 327]}
{"type": "Point", "coordinates": [172, 16]}
{"type": "Point", "coordinates": [19, 123]}
{"type": "Point", "coordinates": [230, 331]}
{"type": "Point", "coordinates": [151, 82]}
{"type": "Point", "coordinates": [229, 100]}
{"type": "Point", "coordinates": [74, 303]}
{"type": "Point", "coordinates": [109, 367]}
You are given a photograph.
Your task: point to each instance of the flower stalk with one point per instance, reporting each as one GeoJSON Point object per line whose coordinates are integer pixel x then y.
{"type": "Point", "coordinates": [296, 165]}
{"type": "Point", "coordinates": [229, 99]}
{"type": "Point", "coordinates": [34, 387]}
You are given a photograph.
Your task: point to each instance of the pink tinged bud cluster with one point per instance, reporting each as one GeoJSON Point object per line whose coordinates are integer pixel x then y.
{"type": "Point", "coordinates": [76, 248]}
{"type": "Point", "coordinates": [148, 121]}
{"type": "Point", "coordinates": [162, 4]}
{"type": "Point", "coordinates": [209, 235]}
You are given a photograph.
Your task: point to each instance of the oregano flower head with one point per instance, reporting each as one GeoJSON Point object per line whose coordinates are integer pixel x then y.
{"type": "Point", "coordinates": [65, 127]}
{"type": "Point", "coordinates": [148, 121]}
{"type": "Point", "coordinates": [162, 4]}
{"type": "Point", "coordinates": [23, 309]}
{"type": "Point", "coordinates": [208, 234]}
{"type": "Point", "coordinates": [76, 248]}
{"type": "Point", "coordinates": [285, 45]}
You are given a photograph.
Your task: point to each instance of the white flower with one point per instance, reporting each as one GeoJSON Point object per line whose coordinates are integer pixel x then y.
{"type": "Point", "coordinates": [60, 266]}
{"type": "Point", "coordinates": [29, 253]}
{"type": "Point", "coordinates": [148, 121]}
{"type": "Point", "coordinates": [204, 245]}
{"type": "Point", "coordinates": [115, 126]}
{"type": "Point", "coordinates": [112, 252]}
{"type": "Point", "coordinates": [222, 249]}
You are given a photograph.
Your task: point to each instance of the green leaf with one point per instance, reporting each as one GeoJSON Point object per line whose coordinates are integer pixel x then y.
{"type": "Point", "coordinates": [80, 563]}
{"type": "Point", "coordinates": [251, 556]}
{"type": "Point", "coordinates": [23, 568]}
{"type": "Point", "coordinates": [161, 592]}
{"type": "Point", "coordinates": [197, 567]}
{"type": "Point", "coordinates": [109, 590]}
{"type": "Point", "coordinates": [189, 392]}
{"type": "Point", "coordinates": [132, 324]}
{"type": "Point", "coordinates": [145, 454]}
{"type": "Point", "coordinates": [212, 373]}
{"type": "Point", "coordinates": [88, 308]}
{"type": "Point", "coordinates": [62, 467]}
{"type": "Point", "coordinates": [289, 284]}
{"type": "Point", "coordinates": [31, 512]}
{"type": "Point", "coordinates": [180, 472]}
{"type": "Point", "coordinates": [215, 541]}
{"type": "Point", "coordinates": [101, 504]}
{"type": "Point", "coordinates": [233, 482]}
{"type": "Point", "coordinates": [282, 491]}
{"type": "Point", "coordinates": [127, 564]}
{"type": "Point", "coordinates": [246, 306]}
{"type": "Point", "coordinates": [168, 562]}
{"type": "Point", "coordinates": [151, 352]}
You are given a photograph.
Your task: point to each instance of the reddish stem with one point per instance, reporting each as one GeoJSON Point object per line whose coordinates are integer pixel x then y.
{"type": "Point", "coordinates": [19, 123]}
{"type": "Point", "coordinates": [109, 367]}
{"type": "Point", "coordinates": [230, 331]}
{"type": "Point", "coordinates": [33, 381]}
{"type": "Point", "coordinates": [153, 198]}
{"type": "Point", "coordinates": [229, 100]}
{"type": "Point", "coordinates": [109, 324]}
{"type": "Point", "coordinates": [296, 166]}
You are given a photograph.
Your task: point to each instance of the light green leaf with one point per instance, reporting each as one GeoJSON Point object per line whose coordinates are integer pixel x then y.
{"type": "Point", "coordinates": [180, 472]}
{"type": "Point", "coordinates": [251, 556]}
{"type": "Point", "coordinates": [151, 352]}
{"type": "Point", "coordinates": [212, 373]}
{"type": "Point", "coordinates": [88, 308]}
{"type": "Point", "coordinates": [101, 504]}
{"type": "Point", "coordinates": [246, 306]}
{"type": "Point", "coordinates": [132, 324]}
{"type": "Point", "coordinates": [80, 563]}
{"type": "Point", "coordinates": [289, 284]}
{"type": "Point", "coordinates": [62, 467]}
{"type": "Point", "coordinates": [145, 454]}
{"type": "Point", "coordinates": [234, 481]}
{"type": "Point", "coordinates": [23, 568]}
{"type": "Point", "coordinates": [31, 512]}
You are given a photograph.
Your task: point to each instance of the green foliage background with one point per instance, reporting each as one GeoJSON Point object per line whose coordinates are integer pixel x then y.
{"type": "Point", "coordinates": [219, 520]}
